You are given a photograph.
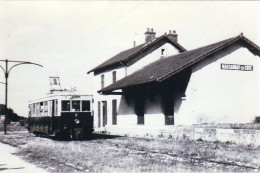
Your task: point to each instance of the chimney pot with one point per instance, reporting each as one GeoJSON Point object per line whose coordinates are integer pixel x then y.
{"type": "Point", "coordinates": [149, 35]}
{"type": "Point", "coordinates": [173, 35]}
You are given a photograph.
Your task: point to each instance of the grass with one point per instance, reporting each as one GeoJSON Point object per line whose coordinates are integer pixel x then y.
{"type": "Point", "coordinates": [122, 154]}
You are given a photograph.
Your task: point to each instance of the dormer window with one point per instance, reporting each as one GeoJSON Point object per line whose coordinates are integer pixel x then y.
{"type": "Point", "coordinates": [102, 81]}
{"type": "Point", "coordinates": [114, 76]}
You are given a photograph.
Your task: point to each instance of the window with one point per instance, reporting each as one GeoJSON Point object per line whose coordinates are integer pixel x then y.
{"type": "Point", "coordinates": [55, 81]}
{"type": "Point", "coordinates": [85, 105]}
{"type": "Point", "coordinates": [114, 76]}
{"type": "Point", "coordinates": [41, 108]}
{"type": "Point", "coordinates": [65, 106]}
{"type": "Point", "coordinates": [37, 108]}
{"type": "Point", "coordinates": [75, 106]}
{"type": "Point", "coordinates": [102, 81]}
{"type": "Point", "coordinates": [162, 51]}
{"type": "Point", "coordinates": [45, 108]}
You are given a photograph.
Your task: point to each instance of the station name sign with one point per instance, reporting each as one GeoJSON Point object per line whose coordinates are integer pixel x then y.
{"type": "Point", "coordinates": [236, 67]}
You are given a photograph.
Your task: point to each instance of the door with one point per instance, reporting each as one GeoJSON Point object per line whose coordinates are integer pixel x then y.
{"type": "Point", "coordinates": [114, 112]}
{"type": "Point", "coordinates": [168, 107]}
{"type": "Point", "coordinates": [99, 119]}
{"type": "Point", "coordinates": [139, 109]}
{"type": "Point", "coordinates": [52, 114]}
{"type": "Point", "coordinates": [104, 111]}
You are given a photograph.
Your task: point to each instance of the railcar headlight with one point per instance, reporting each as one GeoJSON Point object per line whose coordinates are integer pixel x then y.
{"type": "Point", "coordinates": [76, 121]}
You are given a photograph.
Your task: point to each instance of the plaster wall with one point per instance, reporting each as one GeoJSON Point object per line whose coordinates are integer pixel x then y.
{"type": "Point", "coordinates": [154, 119]}
{"type": "Point", "coordinates": [152, 114]}
{"type": "Point", "coordinates": [152, 57]}
{"type": "Point", "coordinates": [216, 95]}
{"type": "Point", "coordinates": [127, 120]}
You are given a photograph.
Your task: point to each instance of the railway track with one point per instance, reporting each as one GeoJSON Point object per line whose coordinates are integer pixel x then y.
{"type": "Point", "coordinates": [193, 159]}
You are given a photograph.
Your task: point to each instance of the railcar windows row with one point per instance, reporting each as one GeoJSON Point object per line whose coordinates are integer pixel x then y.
{"type": "Point", "coordinates": [75, 105]}
{"type": "Point", "coordinates": [43, 108]}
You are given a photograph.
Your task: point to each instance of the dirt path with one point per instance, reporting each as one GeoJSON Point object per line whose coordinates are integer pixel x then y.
{"type": "Point", "coordinates": [9, 162]}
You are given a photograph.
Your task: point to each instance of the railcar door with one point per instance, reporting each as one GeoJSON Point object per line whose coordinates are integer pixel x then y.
{"type": "Point", "coordinates": [52, 115]}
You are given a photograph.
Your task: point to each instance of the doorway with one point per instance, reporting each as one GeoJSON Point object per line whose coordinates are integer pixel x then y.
{"type": "Point", "coordinates": [104, 112]}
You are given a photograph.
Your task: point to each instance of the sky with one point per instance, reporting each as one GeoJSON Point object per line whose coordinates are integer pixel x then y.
{"type": "Point", "coordinates": [69, 38]}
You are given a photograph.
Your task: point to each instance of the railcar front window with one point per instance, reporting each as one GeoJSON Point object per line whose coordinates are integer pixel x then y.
{"type": "Point", "coordinates": [37, 108]}
{"type": "Point", "coordinates": [85, 105]}
{"type": "Point", "coordinates": [65, 105]}
{"type": "Point", "coordinates": [75, 105]}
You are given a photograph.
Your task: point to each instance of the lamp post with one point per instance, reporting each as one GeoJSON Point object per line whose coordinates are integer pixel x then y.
{"type": "Point", "coordinates": [7, 71]}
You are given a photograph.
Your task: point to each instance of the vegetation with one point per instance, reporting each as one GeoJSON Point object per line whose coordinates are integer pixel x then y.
{"type": "Point", "coordinates": [123, 154]}
{"type": "Point", "coordinates": [11, 115]}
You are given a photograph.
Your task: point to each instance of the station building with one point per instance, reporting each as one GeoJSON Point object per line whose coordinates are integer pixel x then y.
{"type": "Point", "coordinates": [217, 83]}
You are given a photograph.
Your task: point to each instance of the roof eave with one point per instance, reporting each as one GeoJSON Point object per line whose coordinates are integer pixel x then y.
{"type": "Point", "coordinates": [175, 44]}
{"type": "Point", "coordinates": [110, 89]}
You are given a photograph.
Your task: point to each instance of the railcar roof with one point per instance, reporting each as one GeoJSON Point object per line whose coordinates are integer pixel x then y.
{"type": "Point", "coordinates": [59, 94]}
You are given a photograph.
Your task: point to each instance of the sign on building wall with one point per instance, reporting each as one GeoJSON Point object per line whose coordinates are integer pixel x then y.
{"type": "Point", "coordinates": [236, 67]}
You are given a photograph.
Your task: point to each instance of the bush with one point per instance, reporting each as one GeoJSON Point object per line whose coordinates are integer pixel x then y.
{"type": "Point", "coordinates": [257, 119]}
{"type": "Point", "coordinates": [23, 122]}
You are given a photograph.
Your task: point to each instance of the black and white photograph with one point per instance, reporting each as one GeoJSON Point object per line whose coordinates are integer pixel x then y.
{"type": "Point", "coordinates": [129, 86]}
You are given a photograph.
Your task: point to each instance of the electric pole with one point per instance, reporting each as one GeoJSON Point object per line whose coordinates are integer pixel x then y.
{"type": "Point", "coordinates": [6, 72]}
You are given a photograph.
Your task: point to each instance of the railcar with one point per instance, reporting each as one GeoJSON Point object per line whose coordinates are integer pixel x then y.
{"type": "Point", "coordinates": [62, 114]}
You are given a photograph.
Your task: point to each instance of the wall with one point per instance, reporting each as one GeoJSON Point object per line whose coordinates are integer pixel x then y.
{"type": "Point", "coordinates": [237, 136]}
{"type": "Point", "coordinates": [223, 96]}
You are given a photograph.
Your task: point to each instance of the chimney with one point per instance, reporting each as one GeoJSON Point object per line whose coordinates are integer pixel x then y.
{"type": "Point", "coordinates": [134, 43]}
{"type": "Point", "coordinates": [149, 35]}
{"type": "Point", "coordinates": [173, 35]}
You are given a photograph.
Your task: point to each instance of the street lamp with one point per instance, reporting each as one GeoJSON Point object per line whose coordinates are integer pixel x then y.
{"type": "Point", "coordinates": [7, 71]}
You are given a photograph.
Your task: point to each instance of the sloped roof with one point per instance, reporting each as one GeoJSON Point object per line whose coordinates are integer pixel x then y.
{"type": "Point", "coordinates": [125, 55]}
{"type": "Point", "coordinates": [167, 67]}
